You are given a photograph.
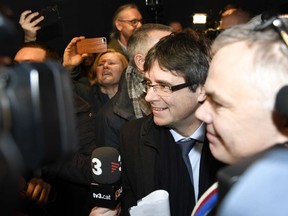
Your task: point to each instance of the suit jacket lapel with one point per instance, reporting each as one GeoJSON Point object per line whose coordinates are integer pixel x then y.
{"type": "Point", "coordinates": [148, 152]}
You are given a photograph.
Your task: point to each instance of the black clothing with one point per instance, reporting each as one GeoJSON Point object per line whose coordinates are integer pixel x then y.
{"type": "Point", "coordinates": [100, 98]}
{"type": "Point", "coordinates": [151, 161]}
{"type": "Point", "coordinates": [113, 115]}
{"type": "Point", "coordinates": [71, 179]}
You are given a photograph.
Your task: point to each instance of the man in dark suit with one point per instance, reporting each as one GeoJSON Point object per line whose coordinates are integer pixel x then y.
{"type": "Point", "coordinates": [129, 102]}
{"type": "Point", "coordinates": [248, 69]}
{"type": "Point", "coordinates": [175, 72]}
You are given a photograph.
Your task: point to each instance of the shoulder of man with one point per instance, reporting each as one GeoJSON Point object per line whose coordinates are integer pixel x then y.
{"type": "Point", "coordinates": [141, 124]}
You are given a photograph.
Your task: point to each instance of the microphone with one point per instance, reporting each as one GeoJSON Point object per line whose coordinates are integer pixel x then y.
{"type": "Point", "coordinates": [281, 104]}
{"type": "Point", "coordinates": [106, 189]}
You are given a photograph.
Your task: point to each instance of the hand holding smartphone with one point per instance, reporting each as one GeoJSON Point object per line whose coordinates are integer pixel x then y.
{"type": "Point", "coordinates": [51, 16]}
{"type": "Point", "coordinates": [92, 45]}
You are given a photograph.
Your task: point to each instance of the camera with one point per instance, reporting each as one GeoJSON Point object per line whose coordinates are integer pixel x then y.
{"type": "Point", "coordinates": [36, 109]}
{"type": "Point", "coordinates": [37, 125]}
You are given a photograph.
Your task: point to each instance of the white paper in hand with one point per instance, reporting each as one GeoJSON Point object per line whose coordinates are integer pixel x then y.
{"type": "Point", "coordinates": [154, 204]}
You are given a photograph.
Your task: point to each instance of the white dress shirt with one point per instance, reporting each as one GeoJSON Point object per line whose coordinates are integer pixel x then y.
{"type": "Point", "coordinates": [194, 154]}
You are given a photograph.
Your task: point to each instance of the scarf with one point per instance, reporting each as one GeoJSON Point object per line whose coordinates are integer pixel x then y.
{"type": "Point", "coordinates": [136, 92]}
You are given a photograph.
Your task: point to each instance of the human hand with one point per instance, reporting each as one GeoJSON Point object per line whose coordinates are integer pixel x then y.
{"type": "Point", "coordinates": [38, 190]}
{"type": "Point", "coordinates": [30, 28]}
{"type": "Point", "coordinates": [71, 58]}
{"type": "Point", "coordinates": [100, 211]}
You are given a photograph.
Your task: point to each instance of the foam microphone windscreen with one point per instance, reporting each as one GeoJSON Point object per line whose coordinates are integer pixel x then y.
{"type": "Point", "coordinates": [106, 189]}
{"type": "Point", "coordinates": [106, 167]}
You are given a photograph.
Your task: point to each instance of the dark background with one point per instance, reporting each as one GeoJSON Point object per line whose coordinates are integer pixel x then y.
{"type": "Point", "coordinates": [93, 18]}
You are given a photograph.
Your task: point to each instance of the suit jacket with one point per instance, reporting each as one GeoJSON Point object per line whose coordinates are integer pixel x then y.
{"type": "Point", "coordinates": [140, 149]}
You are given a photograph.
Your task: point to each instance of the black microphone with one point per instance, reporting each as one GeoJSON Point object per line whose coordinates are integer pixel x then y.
{"type": "Point", "coordinates": [106, 189]}
{"type": "Point", "coordinates": [281, 104]}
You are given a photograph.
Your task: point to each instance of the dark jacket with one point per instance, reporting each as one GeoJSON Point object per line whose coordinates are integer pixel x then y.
{"type": "Point", "coordinates": [140, 149]}
{"type": "Point", "coordinates": [111, 117]}
{"type": "Point", "coordinates": [71, 179]}
{"type": "Point", "coordinates": [114, 44]}
{"type": "Point", "coordinates": [100, 98]}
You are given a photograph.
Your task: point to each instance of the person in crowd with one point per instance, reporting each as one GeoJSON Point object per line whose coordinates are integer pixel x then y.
{"type": "Point", "coordinates": [235, 17]}
{"type": "Point", "coordinates": [225, 145]}
{"type": "Point", "coordinates": [177, 26]}
{"type": "Point", "coordinates": [105, 71]}
{"type": "Point", "coordinates": [126, 20]}
{"type": "Point", "coordinates": [34, 187]}
{"type": "Point", "coordinates": [152, 148]}
{"type": "Point", "coordinates": [29, 23]}
{"type": "Point", "coordinates": [129, 102]}
{"type": "Point", "coordinates": [228, 9]}
{"type": "Point", "coordinates": [69, 182]}
{"type": "Point", "coordinates": [108, 68]}
{"type": "Point", "coordinates": [35, 52]}
{"type": "Point", "coordinates": [44, 25]}
{"type": "Point", "coordinates": [248, 68]}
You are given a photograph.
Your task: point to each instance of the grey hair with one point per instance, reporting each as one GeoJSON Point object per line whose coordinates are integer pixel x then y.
{"type": "Point", "coordinates": [115, 32]}
{"type": "Point", "coordinates": [270, 61]}
{"type": "Point", "coordinates": [140, 39]}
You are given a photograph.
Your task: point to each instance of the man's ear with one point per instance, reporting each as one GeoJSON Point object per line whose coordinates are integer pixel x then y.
{"type": "Point", "coordinates": [201, 94]}
{"type": "Point", "coordinates": [118, 25]}
{"type": "Point", "coordinates": [139, 60]}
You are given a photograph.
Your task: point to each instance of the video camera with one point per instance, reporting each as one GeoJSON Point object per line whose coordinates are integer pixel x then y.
{"type": "Point", "coordinates": [36, 122]}
{"type": "Point", "coordinates": [36, 110]}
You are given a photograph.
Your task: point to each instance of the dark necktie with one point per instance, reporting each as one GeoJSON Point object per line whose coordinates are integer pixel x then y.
{"type": "Point", "coordinates": [185, 147]}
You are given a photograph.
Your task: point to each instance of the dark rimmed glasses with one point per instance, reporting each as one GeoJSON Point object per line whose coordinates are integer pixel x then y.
{"type": "Point", "coordinates": [133, 22]}
{"type": "Point", "coordinates": [163, 90]}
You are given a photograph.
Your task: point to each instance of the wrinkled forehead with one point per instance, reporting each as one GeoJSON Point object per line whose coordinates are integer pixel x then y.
{"type": "Point", "coordinates": [129, 14]}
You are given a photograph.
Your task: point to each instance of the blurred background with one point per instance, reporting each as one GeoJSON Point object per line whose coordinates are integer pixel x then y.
{"type": "Point", "coordinates": [93, 18]}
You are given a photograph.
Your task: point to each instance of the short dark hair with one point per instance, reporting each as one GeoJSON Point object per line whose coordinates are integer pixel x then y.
{"type": "Point", "coordinates": [185, 53]}
{"type": "Point", "coordinates": [50, 53]}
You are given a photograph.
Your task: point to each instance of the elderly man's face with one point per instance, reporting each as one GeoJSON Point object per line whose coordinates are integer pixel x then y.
{"type": "Point", "coordinates": [128, 22]}
{"type": "Point", "coordinates": [238, 122]}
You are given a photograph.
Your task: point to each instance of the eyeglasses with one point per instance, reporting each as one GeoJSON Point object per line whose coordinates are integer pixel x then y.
{"type": "Point", "coordinates": [278, 24]}
{"type": "Point", "coordinates": [133, 22]}
{"type": "Point", "coordinates": [163, 90]}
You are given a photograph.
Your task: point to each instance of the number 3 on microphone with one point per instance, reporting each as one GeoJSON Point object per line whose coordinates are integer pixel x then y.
{"type": "Point", "coordinates": [96, 168]}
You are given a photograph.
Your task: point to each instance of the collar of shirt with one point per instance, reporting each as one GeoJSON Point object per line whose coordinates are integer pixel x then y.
{"type": "Point", "coordinates": [199, 134]}
{"type": "Point", "coordinates": [123, 47]}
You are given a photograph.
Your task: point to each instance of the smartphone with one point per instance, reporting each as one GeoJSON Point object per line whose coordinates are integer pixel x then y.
{"type": "Point", "coordinates": [92, 45]}
{"type": "Point", "coordinates": [51, 16]}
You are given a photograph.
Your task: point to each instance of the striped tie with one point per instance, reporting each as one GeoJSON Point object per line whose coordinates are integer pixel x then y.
{"type": "Point", "coordinates": [185, 147]}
